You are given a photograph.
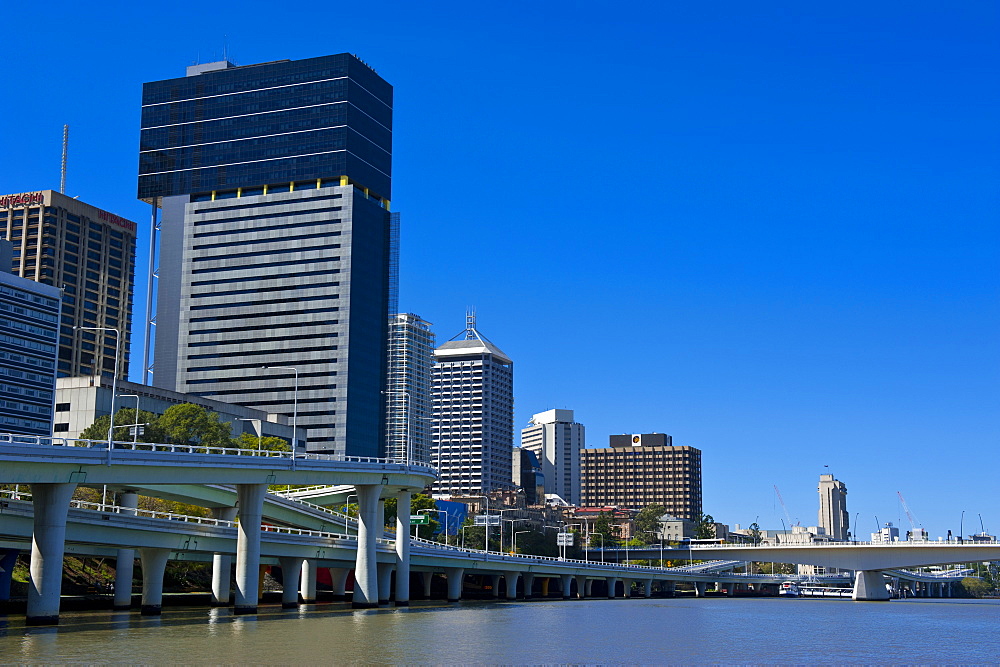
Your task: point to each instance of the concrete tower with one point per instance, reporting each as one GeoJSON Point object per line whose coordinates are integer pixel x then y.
{"type": "Point", "coordinates": [833, 507]}
{"type": "Point", "coordinates": [556, 440]}
{"type": "Point", "coordinates": [473, 388]}
{"type": "Point", "coordinates": [274, 264]}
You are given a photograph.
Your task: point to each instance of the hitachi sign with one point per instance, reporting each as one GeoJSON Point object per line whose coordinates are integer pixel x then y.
{"type": "Point", "coordinates": [25, 199]}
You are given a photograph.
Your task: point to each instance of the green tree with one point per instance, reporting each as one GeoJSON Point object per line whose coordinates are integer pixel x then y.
{"type": "Point", "coordinates": [190, 424]}
{"type": "Point", "coordinates": [754, 532]}
{"type": "Point", "coordinates": [151, 431]}
{"type": "Point", "coordinates": [705, 527]}
{"type": "Point", "coordinates": [603, 526]}
{"type": "Point", "coordinates": [647, 523]}
{"type": "Point", "coordinates": [975, 587]}
{"type": "Point", "coordinates": [268, 443]}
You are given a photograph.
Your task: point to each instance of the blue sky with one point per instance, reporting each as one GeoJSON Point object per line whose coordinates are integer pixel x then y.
{"type": "Point", "coordinates": [769, 230]}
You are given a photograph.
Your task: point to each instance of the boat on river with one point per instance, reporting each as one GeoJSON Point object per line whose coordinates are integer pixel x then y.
{"type": "Point", "coordinates": [788, 589]}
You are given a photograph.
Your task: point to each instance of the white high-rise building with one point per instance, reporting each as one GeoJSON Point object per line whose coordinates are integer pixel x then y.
{"type": "Point", "coordinates": [833, 507]}
{"type": "Point", "coordinates": [408, 393]}
{"type": "Point", "coordinates": [556, 439]}
{"type": "Point", "coordinates": [472, 385]}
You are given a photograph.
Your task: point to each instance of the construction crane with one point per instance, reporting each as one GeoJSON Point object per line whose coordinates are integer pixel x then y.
{"type": "Point", "coordinates": [915, 532]}
{"type": "Point", "coordinates": [784, 507]}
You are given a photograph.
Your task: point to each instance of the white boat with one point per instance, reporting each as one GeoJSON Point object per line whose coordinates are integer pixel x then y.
{"type": "Point", "coordinates": [788, 589]}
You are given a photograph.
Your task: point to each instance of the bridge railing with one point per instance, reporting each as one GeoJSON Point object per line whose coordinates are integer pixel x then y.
{"type": "Point", "coordinates": [53, 441]}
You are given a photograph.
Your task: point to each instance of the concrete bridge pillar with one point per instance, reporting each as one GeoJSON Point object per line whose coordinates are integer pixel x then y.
{"type": "Point", "coordinates": [370, 525]}
{"type": "Point", "coordinates": [455, 577]}
{"type": "Point", "coordinates": [403, 548]}
{"type": "Point", "coordinates": [590, 587]}
{"type": "Point", "coordinates": [566, 584]}
{"type": "Point", "coordinates": [385, 582]}
{"type": "Point", "coordinates": [647, 588]}
{"type": "Point", "coordinates": [291, 572]}
{"type": "Point", "coordinates": [699, 589]}
{"type": "Point", "coordinates": [427, 578]}
{"type": "Point", "coordinates": [612, 587]}
{"type": "Point", "coordinates": [496, 585]}
{"type": "Point", "coordinates": [251, 509]}
{"type": "Point", "coordinates": [948, 589]}
{"type": "Point", "coordinates": [154, 562]}
{"type": "Point", "coordinates": [307, 581]}
{"type": "Point", "coordinates": [731, 589]}
{"type": "Point", "coordinates": [222, 564]}
{"type": "Point", "coordinates": [48, 543]}
{"type": "Point", "coordinates": [869, 585]}
{"type": "Point", "coordinates": [338, 582]}
{"type": "Point", "coordinates": [510, 578]}
{"type": "Point", "coordinates": [8, 558]}
{"type": "Point", "coordinates": [626, 588]}
{"type": "Point", "coordinates": [125, 558]}
{"type": "Point", "coordinates": [670, 588]}
{"type": "Point", "coordinates": [529, 584]}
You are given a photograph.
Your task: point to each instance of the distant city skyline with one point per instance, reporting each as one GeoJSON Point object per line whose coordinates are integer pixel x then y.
{"type": "Point", "coordinates": [798, 266]}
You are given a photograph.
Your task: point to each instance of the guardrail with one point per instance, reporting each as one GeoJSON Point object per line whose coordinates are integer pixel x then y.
{"type": "Point", "coordinates": [51, 441]}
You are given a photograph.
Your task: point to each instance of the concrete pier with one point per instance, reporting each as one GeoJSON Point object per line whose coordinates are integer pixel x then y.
{"type": "Point", "coordinates": [456, 577]}
{"type": "Point", "coordinates": [581, 587]}
{"type": "Point", "coordinates": [427, 578]}
{"type": "Point", "coordinates": [612, 587]}
{"type": "Point", "coordinates": [154, 562]}
{"type": "Point", "coordinates": [125, 558]}
{"type": "Point", "coordinates": [566, 584]}
{"type": "Point", "coordinates": [647, 588]}
{"type": "Point", "coordinates": [529, 584]}
{"type": "Point", "coordinates": [510, 579]}
{"type": "Point", "coordinates": [338, 582]}
{"type": "Point", "coordinates": [385, 582]}
{"type": "Point", "coordinates": [291, 569]}
{"type": "Point", "coordinates": [250, 506]}
{"type": "Point", "coordinates": [869, 586]}
{"type": "Point", "coordinates": [222, 564]}
{"type": "Point", "coordinates": [496, 585]}
{"type": "Point", "coordinates": [403, 548]}
{"type": "Point", "coordinates": [51, 505]}
{"type": "Point", "coordinates": [369, 526]}
{"type": "Point", "coordinates": [307, 581]}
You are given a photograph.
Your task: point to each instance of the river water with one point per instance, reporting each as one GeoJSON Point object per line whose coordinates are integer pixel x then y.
{"type": "Point", "coordinates": [657, 631]}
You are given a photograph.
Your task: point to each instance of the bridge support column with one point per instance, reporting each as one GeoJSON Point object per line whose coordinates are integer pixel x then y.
{"type": "Point", "coordinates": [222, 564]}
{"type": "Point", "coordinates": [307, 581]}
{"type": "Point", "coordinates": [948, 589]}
{"type": "Point", "coordinates": [566, 585]}
{"type": "Point", "coordinates": [291, 572]}
{"type": "Point", "coordinates": [529, 584]}
{"type": "Point", "coordinates": [154, 562]}
{"type": "Point", "coordinates": [403, 548]}
{"type": "Point", "coordinates": [48, 544]}
{"type": "Point", "coordinates": [366, 567]}
{"type": "Point", "coordinates": [384, 582]}
{"type": "Point", "coordinates": [869, 585]}
{"type": "Point", "coordinates": [427, 578]}
{"type": "Point", "coordinates": [612, 587]}
{"type": "Point", "coordinates": [455, 577]}
{"type": "Point", "coordinates": [647, 588]}
{"type": "Point", "coordinates": [590, 587]}
{"type": "Point", "coordinates": [699, 589]}
{"type": "Point", "coordinates": [510, 578]}
{"type": "Point", "coordinates": [125, 558]}
{"type": "Point", "coordinates": [251, 509]}
{"type": "Point", "coordinates": [626, 588]}
{"type": "Point", "coordinates": [496, 585]}
{"type": "Point", "coordinates": [8, 559]}
{"type": "Point", "coordinates": [338, 583]}
{"type": "Point", "coordinates": [731, 589]}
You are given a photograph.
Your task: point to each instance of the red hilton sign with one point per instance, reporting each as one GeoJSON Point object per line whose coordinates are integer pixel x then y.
{"type": "Point", "coordinates": [26, 199]}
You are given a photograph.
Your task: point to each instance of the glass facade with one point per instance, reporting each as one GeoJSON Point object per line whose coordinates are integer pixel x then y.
{"type": "Point", "coordinates": [271, 123]}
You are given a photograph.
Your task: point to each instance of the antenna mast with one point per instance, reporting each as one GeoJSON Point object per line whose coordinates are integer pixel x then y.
{"type": "Point", "coordinates": [62, 176]}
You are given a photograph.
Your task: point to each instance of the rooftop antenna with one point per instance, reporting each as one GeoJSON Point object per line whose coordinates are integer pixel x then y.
{"type": "Point", "coordinates": [62, 172]}
{"type": "Point", "coordinates": [225, 48]}
{"type": "Point", "coordinates": [470, 323]}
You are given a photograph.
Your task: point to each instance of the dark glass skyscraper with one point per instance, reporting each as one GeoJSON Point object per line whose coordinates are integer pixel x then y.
{"type": "Point", "coordinates": [274, 182]}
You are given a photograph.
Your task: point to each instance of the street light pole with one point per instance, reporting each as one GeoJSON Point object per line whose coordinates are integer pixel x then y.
{"type": "Point", "coordinates": [295, 403]}
{"type": "Point", "coordinates": [520, 532]}
{"type": "Point", "coordinates": [114, 380]}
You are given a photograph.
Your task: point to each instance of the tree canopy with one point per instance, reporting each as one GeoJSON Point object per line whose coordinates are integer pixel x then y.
{"type": "Point", "coordinates": [647, 523]}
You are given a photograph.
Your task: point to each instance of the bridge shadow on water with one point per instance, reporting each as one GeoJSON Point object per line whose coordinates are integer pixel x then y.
{"type": "Point", "coordinates": [13, 625]}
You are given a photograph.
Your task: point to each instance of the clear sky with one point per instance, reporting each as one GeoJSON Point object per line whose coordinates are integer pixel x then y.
{"type": "Point", "coordinates": [768, 229]}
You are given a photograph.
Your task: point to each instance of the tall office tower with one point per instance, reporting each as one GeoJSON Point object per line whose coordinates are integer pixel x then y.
{"type": "Point", "coordinates": [274, 250]}
{"type": "Point", "coordinates": [833, 507]}
{"type": "Point", "coordinates": [408, 397]}
{"type": "Point", "coordinates": [90, 254]}
{"type": "Point", "coordinates": [472, 384]}
{"type": "Point", "coordinates": [556, 440]}
{"type": "Point", "coordinates": [641, 470]}
{"type": "Point", "coordinates": [29, 330]}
